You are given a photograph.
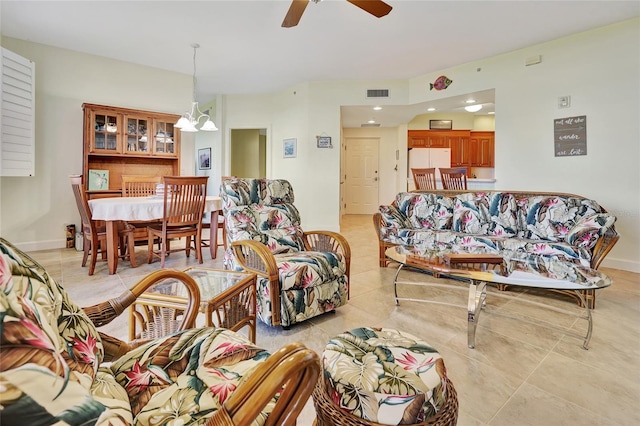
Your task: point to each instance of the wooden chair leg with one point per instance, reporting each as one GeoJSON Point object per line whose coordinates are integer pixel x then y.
{"type": "Point", "coordinates": [132, 250]}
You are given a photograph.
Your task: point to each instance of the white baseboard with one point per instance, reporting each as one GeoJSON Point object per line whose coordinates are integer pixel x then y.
{"type": "Point", "coordinates": [41, 245]}
{"type": "Point", "coordinates": [623, 264]}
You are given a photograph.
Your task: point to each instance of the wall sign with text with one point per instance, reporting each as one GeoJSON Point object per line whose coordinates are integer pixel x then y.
{"type": "Point", "coordinates": [570, 136]}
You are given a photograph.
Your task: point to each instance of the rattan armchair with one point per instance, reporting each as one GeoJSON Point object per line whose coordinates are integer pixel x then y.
{"type": "Point", "coordinates": [301, 274]}
{"type": "Point", "coordinates": [256, 257]}
{"type": "Point", "coordinates": [53, 353]}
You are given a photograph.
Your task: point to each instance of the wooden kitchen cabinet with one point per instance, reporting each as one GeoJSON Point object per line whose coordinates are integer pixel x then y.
{"type": "Point", "coordinates": [460, 151]}
{"type": "Point", "coordinates": [468, 148]}
{"type": "Point", "coordinates": [431, 138]}
{"type": "Point", "coordinates": [125, 141]}
{"type": "Point", "coordinates": [482, 149]}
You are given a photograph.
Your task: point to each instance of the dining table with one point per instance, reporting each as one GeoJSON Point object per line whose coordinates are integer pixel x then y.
{"type": "Point", "coordinates": [150, 208]}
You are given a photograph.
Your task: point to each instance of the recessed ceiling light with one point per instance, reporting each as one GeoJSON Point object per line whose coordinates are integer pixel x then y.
{"type": "Point", "coordinates": [377, 108]}
{"type": "Point", "coordinates": [473, 108]}
{"type": "Point", "coordinates": [371, 121]}
{"type": "Point", "coordinates": [471, 101]}
{"type": "Point", "coordinates": [431, 109]}
{"type": "Point", "coordinates": [491, 112]}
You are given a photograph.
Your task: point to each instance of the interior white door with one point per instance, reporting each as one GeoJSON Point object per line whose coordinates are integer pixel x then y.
{"type": "Point", "coordinates": [361, 175]}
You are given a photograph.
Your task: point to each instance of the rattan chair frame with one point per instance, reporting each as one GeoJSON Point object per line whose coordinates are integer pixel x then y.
{"type": "Point", "coordinates": [255, 257]}
{"type": "Point", "coordinates": [329, 414]}
{"type": "Point", "coordinates": [291, 372]}
{"type": "Point", "coordinates": [184, 201]}
{"type": "Point", "coordinates": [454, 178]}
{"type": "Point", "coordinates": [103, 313]}
{"type": "Point", "coordinates": [424, 178]}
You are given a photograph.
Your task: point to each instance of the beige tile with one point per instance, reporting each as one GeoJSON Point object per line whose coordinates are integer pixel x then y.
{"type": "Point", "coordinates": [518, 374]}
{"type": "Point", "coordinates": [531, 406]}
{"type": "Point", "coordinates": [613, 397]}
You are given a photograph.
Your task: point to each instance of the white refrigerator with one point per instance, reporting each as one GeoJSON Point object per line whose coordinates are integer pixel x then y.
{"type": "Point", "coordinates": [425, 158]}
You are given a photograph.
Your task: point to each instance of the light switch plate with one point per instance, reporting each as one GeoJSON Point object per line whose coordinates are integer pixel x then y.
{"type": "Point", "coordinates": [564, 101]}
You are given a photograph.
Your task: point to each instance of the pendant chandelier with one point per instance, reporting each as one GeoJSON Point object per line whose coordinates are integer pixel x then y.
{"type": "Point", "coordinates": [190, 120]}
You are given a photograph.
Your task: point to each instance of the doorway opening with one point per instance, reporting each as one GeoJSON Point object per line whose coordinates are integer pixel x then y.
{"type": "Point", "coordinates": [248, 153]}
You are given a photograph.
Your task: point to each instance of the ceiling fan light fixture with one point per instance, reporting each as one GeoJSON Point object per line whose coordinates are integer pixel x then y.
{"type": "Point", "coordinates": [189, 120]}
{"type": "Point", "coordinates": [473, 108]}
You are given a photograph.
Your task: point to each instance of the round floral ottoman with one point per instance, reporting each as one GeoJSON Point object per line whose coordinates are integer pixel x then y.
{"type": "Point", "coordinates": [374, 376]}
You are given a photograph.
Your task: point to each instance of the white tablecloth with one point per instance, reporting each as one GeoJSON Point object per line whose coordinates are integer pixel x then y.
{"type": "Point", "coordinates": [137, 208]}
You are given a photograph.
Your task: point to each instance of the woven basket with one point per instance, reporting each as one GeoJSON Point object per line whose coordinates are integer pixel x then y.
{"type": "Point", "coordinates": [328, 413]}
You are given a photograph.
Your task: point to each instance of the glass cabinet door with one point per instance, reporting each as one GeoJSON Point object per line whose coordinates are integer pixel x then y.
{"type": "Point", "coordinates": [164, 138]}
{"type": "Point", "coordinates": [137, 135]}
{"type": "Point", "coordinates": [105, 132]}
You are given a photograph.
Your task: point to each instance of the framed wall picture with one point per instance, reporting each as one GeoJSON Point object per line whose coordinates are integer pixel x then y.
{"type": "Point", "coordinates": [204, 159]}
{"type": "Point", "coordinates": [324, 141]}
{"type": "Point", "coordinates": [440, 124]}
{"type": "Point", "coordinates": [289, 148]}
{"type": "Point", "coordinates": [98, 179]}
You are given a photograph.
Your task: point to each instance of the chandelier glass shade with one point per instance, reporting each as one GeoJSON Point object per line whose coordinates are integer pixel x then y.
{"type": "Point", "coordinates": [189, 120]}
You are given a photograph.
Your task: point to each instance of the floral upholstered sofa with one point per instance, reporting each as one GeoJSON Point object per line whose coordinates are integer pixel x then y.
{"type": "Point", "coordinates": [300, 274]}
{"type": "Point", "coordinates": [52, 368]}
{"type": "Point", "coordinates": [548, 230]}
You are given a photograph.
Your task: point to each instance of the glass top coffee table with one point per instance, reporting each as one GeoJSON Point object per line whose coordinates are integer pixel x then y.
{"type": "Point", "coordinates": [228, 300]}
{"type": "Point", "coordinates": [491, 269]}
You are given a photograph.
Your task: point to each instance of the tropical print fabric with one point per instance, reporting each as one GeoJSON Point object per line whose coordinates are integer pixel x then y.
{"type": "Point", "coordinates": [560, 227]}
{"type": "Point", "coordinates": [311, 283]}
{"type": "Point", "coordinates": [384, 376]}
{"type": "Point", "coordinates": [51, 369]}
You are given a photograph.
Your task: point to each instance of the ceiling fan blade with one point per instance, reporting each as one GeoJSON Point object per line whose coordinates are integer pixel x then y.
{"type": "Point", "coordinates": [295, 13]}
{"type": "Point", "coordinates": [377, 8]}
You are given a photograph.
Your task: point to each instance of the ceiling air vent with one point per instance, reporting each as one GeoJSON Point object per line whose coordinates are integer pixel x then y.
{"type": "Point", "coordinates": [377, 93]}
{"type": "Point", "coordinates": [370, 125]}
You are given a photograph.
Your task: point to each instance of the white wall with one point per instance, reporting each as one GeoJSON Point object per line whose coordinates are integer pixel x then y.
{"type": "Point", "coordinates": [34, 210]}
{"type": "Point", "coordinates": [599, 69]}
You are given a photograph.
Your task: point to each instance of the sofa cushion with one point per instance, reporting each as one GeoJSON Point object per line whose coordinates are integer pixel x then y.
{"type": "Point", "coordinates": [503, 213]}
{"type": "Point", "coordinates": [183, 378]}
{"type": "Point", "coordinates": [551, 217]}
{"type": "Point", "coordinates": [585, 233]}
{"type": "Point", "coordinates": [431, 211]}
{"type": "Point", "coordinates": [257, 191]}
{"type": "Point", "coordinates": [277, 227]}
{"type": "Point", "coordinates": [49, 350]}
{"type": "Point", "coordinates": [394, 218]}
{"type": "Point", "coordinates": [470, 215]}
{"type": "Point", "coordinates": [309, 268]}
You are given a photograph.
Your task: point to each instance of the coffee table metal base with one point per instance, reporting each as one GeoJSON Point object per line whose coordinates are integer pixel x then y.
{"type": "Point", "coordinates": [477, 302]}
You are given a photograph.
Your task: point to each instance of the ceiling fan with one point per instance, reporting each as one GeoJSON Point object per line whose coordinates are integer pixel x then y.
{"type": "Point", "coordinates": [377, 8]}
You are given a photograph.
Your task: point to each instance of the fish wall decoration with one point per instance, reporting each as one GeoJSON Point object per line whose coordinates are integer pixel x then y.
{"type": "Point", "coordinates": [441, 83]}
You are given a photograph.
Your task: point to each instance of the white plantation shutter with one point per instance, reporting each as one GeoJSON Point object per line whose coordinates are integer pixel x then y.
{"type": "Point", "coordinates": [17, 117]}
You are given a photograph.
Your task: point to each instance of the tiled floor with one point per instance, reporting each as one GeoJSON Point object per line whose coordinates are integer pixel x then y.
{"type": "Point", "coordinates": [518, 374]}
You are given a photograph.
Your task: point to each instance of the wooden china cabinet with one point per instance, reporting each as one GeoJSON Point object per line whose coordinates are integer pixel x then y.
{"type": "Point", "coordinates": [121, 141]}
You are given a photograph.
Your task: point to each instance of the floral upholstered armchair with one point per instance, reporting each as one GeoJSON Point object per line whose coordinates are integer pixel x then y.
{"type": "Point", "coordinates": [53, 369]}
{"type": "Point", "coordinates": [300, 274]}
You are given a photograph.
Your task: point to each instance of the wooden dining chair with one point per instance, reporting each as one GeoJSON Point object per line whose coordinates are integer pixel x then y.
{"type": "Point", "coordinates": [95, 236]}
{"type": "Point", "coordinates": [184, 201]}
{"type": "Point", "coordinates": [139, 185]}
{"type": "Point", "coordinates": [424, 178]}
{"type": "Point", "coordinates": [454, 178]}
